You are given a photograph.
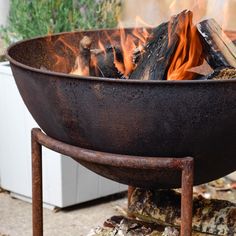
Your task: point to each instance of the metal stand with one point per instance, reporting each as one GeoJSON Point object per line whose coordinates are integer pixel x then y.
{"type": "Point", "coordinates": [39, 139]}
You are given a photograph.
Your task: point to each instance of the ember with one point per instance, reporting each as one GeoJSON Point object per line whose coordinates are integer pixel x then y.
{"type": "Point", "coordinates": [167, 52]}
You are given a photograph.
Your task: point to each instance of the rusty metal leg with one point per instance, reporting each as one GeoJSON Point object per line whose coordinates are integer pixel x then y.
{"type": "Point", "coordinates": [187, 197]}
{"type": "Point", "coordinates": [37, 197]}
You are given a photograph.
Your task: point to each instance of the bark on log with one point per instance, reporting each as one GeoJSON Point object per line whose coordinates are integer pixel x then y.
{"type": "Point", "coordinates": [213, 216]}
{"type": "Point", "coordinates": [159, 51]}
{"type": "Point", "coordinates": [219, 50]}
{"type": "Point", "coordinates": [122, 226]}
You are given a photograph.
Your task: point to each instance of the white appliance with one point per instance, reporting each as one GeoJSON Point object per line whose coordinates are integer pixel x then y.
{"type": "Point", "coordinates": [65, 181]}
{"type": "Point", "coordinates": [4, 10]}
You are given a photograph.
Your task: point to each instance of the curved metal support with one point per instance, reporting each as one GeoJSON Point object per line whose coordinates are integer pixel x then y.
{"type": "Point", "coordinates": [96, 157]}
{"type": "Point", "coordinates": [39, 139]}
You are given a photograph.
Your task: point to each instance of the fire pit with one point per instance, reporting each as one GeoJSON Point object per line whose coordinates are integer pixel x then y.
{"type": "Point", "coordinates": [133, 117]}
{"type": "Point", "coordinates": [144, 131]}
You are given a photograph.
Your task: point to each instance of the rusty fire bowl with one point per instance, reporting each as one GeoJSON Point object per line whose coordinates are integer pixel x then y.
{"type": "Point", "coordinates": [142, 118]}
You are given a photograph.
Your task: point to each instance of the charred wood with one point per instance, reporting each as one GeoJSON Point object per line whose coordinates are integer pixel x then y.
{"type": "Point", "coordinates": [148, 66]}
{"type": "Point", "coordinates": [158, 52]}
{"type": "Point", "coordinates": [103, 62]}
{"type": "Point", "coordinates": [138, 53]}
{"type": "Point", "coordinates": [219, 50]}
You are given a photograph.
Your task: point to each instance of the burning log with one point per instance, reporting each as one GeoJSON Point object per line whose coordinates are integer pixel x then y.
{"type": "Point", "coordinates": [162, 46]}
{"type": "Point", "coordinates": [219, 50]}
{"type": "Point", "coordinates": [103, 62]}
{"type": "Point", "coordinates": [175, 50]}
{"type": "Point", "coordinates": [154, 52]}
{"type": "Point", "coordinates": [147, 66]}
{"type": "Point", "coordinates": [97, 62]}
{"type": "Point", "coordinates": [83, 59]}
{"type": "Point", "coordinates": [213, 216]}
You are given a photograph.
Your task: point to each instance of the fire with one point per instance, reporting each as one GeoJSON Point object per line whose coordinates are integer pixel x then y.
{"type": "Point", "coordinates": [120, 40]}
{"type": "Point", "coordinates": [127, 44]}
{"type": "Point", "coordinates": [188, 52]}
{"type": "Point", "coordinates": [82, 63]}
{"type": "Point", "coordinates": [121, 46]}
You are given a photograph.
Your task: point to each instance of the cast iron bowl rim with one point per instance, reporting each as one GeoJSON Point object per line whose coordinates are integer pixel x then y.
{"type": "Point", "coordinates": [110, 80]}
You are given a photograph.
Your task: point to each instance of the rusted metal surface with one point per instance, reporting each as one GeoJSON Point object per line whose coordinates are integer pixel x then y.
{"type": "Point", "coordinates": [187, 196]}
{"type": "Point", "coordinates": [145, 172]}
{"type": "Point", "coordinates": [37, 190]}
{"type": "Point", "coordinates": [138, 118]}
{"type": "Point", "coordinates": [87, 157]}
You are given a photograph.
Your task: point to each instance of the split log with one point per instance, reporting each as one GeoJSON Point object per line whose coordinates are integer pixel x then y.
{"type": "Point", "coordinates": [103, 62]}
{"type": "Point", "coordinates": [160, 49]}
{"type": "Point", "coordinates": [219, 50]}
{"type": "Point", "coordinates": [148, 66]}
{"type": "Point", "coordinates": [213, 216]}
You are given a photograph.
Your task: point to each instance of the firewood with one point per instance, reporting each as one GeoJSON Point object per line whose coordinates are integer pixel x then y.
{"type": "Point", "coordinates": [123, 226]}
{"type": "Point", "coordinates": [226, 73]}
{"type": "Point", "coordinates": [219, 50]}
{"type": "Point", "coordinates": [163, 206]}
{"type": "Point", "coordinates": [82, 61]}
{"type": "Point", "coordinates": [103, 62]}
{"type": "Point", "coordinates": [147, 67]}
{"type": "Point", "coordinates": [159, 50]}
{"type": "Point", "coordinates": [139, 53]}
{"type": "Point", "coordinates": [203, 69]}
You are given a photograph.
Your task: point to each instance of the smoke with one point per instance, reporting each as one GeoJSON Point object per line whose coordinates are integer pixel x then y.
{"type": "Point", "coordinates": [154, 12]}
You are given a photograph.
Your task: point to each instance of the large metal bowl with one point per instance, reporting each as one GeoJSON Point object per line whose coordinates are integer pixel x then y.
{"type": "Point", "coordinates": [144, 118]}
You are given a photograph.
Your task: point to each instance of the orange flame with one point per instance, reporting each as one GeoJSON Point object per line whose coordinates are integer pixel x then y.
{"type": "Point", "coordinates": [127, 42]}
{"type": "Point", "coordinates": [187, 55]}
{"type": "Point", "coordinates": [121, 40]}
{"type": "Point", "coordinates": [102, 47]}
{"type": "Point", "coordinates": [127, 46]}
{"type": "Point", "coordinates": [78, 69]}
{"type": "Point", "coordinates": [188, 52]}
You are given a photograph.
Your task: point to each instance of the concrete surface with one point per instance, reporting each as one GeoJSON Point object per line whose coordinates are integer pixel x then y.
{"type": "Point", "coordinates": [15, 217]}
